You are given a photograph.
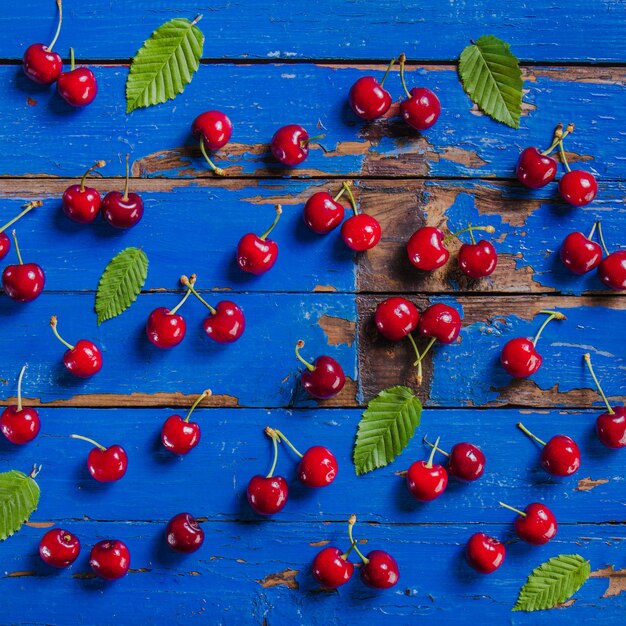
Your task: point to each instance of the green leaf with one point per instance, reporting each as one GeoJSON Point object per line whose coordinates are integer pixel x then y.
{"type": "Point", "coordinates": [165, 64]}
{"type": "Point", "coordinates": [492, 78]}
{"type": "Point", "coordinates": [386, 428]}
{"type": "Point", "coordinates": [121, 283]}
{"type": "Point", "coordinates": [19, 496]}
{"type": "Point", "coordinates": [553, 582]}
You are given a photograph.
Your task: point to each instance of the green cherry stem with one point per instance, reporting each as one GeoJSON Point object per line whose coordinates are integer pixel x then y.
{"type": "Point", "coordinates": [351, 523]}
{"type": "Point", "coordinates": [435, 446]}
{"type": "Point", "coordinates": [218, 171]}
{"type": "Point", "coordinates": [91, 441]}
{"type": "Point", "coordinates": [346, 554]}
{"type": "Point", "coordinates": [125, 196]}
{"type": "Point", "coordinates": [184, 298]}
{"type": "Point", "coordinates": [529, 434]}
{"type": "Point", "coordinates": [429, 463]}
{"type": "Point", "coordinates": [72, 61]}
{"type": "Point", "coordinates": [202, 396]}
{"type": "Point", "coordinates": [402, 60]}
{"type": "Point", "coordinates": [609, 408]}
{"type": "Point", "coordinates": [341, 192]}
{"type": "Point", "coordinates": [53, 325]}
{"type": "Point", "coordinates": [469, 228]}
{"type": "Point", "coordinates": [293, 448]}
{"type": "Point", "coordinates": [275, 439]}
{"type": "Point", "coordinates": [601, 235]}
{"type": "Point", "coordinates": [511, 508]}
{"type": "Point", "coordinates": [593, 230]}
{"type": "Point", "coordinates": [27, 207]}
{"type": "Point", "coordinates": [19, 388]}
{"type": "Point", "coordinates": [189, 283]}
{"type": "Point", "coordinates": [384, 78]}
{"type": "Point", "coordinates": [310, 140]}
{"type": "Point", "coordinates": [93, 167]}
{"type": "Point", "coordinates": [17, 248]}
{"type": "Point", "coordinates": [279, 211]}
{"type": "Point", "coordinates": [58, 30]}
{"type": "Point", "coordinates": [418, 360]}
{"type": "Point", "coordinates": [347, 185]}
{"type": "Point", "coordinates": [559, 135]}
{"type": "Point", "coordinates": [552, 315]}
{"type": "Point", "coordinates": [471, 234]}
{"type": "Point", "coordinates": [429, 345]}
{"type": "Point", "coordinates": [299, 346]}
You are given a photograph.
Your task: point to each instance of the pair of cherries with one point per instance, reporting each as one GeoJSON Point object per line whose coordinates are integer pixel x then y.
{"type": "Point", "coordinates": [78, 87]}
{"type": "Point", "coordinates": [317, 468]}
{"type": "Point", "coordinates": [82, 360]}
{"type": "Point", "coordinates": [370, 100]}
{"type": "Point", "coordinates": [166, 328]}
{"type": "Point", "coordinates": [322, 379]}
{"type": "Point", "coordinates": [121, 210]}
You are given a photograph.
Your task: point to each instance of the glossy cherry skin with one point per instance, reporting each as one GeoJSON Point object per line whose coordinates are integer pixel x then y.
{"type": "Point", "coordinates": [322, 213]}
{"type": "Point", "coordinates": [426, 483]}
{"type": "Point", "coordinates": [421, 110]}
{"type": "Point", "coordinates": [122, 212]}
{"type": "Point", "coordinates": [214, 128]}
{"type": "Point", "coordinates": [267, 495]}
{"type": "Point", "coordinates": [5, 245]}
{"type": "Point", "coordinates": [426, 250]}
{"type": "Point", "coordinates": [395, 318]}
{"type": "Point", "coordinates": [183, 533]}
{"type": "Point", "coordinates": [538, 526]}
{"type": "Point", "coordinates": [331, 569]}
{"type": "Point", "coordinates": [478, 260]}
{"type": "Point", "coordinates": [165, 330]}
{"type": "Point", "coordinates": [228, 323]}
{"type": "Point", "coordinates": [81, 205]}
{"type": "Point", "coordinates": [466, 462]}
{"type": "Point", "coordinates": [535, 170]}
{"type": "Point", "coordinates": [441, 322]}
{"type": "Point", "coordinates": [368, 99]}
{"type": "Point", "coordinates": [612, 270]}
{"type": "Point", "coordinates": [560, 456]}
{"type": "Point", "coordinates": [19, 427]}
{"type": "Point", "coordinates": [484, 553]}
{"type": "Point", "coordinates": [84, 360]}
{"type": "Point", "coordinates": [318, 467]}
{"type": "Point", "coordinates": [326, 380]}
{"type": "Point", "coordinates": [78, 87]}
{"type": "Point", "coordinates": [109, 465]}
{"type": "Point", "coordinates": [42, 65]}
{"type": "Point", "coordinates": [578, 187]}
{"type": "Point", "coordinates": [520, 358]}
{"type": "Point", "coordinates": [59, 548]}
{"type": "Point", "coordinates": [256, 255]}
{"type": "Point", "coordinates": [381, 572]}
{"type": "Point", "coordinates": [361, 232]}
{"type": "Point", "coordinates": [579, 254]}
{"type": "Point", "coordinates": [24, 282]}
{"type": "Point", "coordinates": [179, 436]}
{"type": "Point", "coordinates": [611, 428]}
{"type": "Point", "coordinates": [110, 559]}
{"type": "Point", "coordinates": [290, 145]}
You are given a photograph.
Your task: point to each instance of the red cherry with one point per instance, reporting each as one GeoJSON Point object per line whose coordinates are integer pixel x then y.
{"type": "Point", "coordinates": [426, 250]}
{"type": "Point", "coordinates": [612, 270]}
{"type": "Point", "coordinates": [17, 423]}
{"type": "Point", "coordinates": [5, 242]}
{"type": "Point", "coordinates": [368, 99]}
{"type": "Point", "coordinates": [440, 322]}
{"type": "Point", "coordinates": [226, 323]}
{"type": "Point", "coordinates": [361, 232]}
{"type": "Point", "coordinates": [165, 329]}
{"type": "Point", "coordinates": [421, 109]}
{"type": "Point", "coordinates": [579, 254]}
{"type": "Point", "coordinates": [105, 465]}
{"type": "Point", "coordinates": [290, 144]}
{"type": "Point", "coordinates": [381, 570]}
{"type": "Point", "coordinates": [466, 461]}
{"type": "Point", "coordinates": [322, 379]}
{"type": "Point", "coordinates": [82, 360]}
{"type": "Point", "coordinates": [5, 245]}
{"type": "Point", "coordinates": [40, 64]}
{"type": "Point", "coordinates": [184, 534]}
{"type": "Point", "coordinates": [536, 524]}
{"type": "Point", "coordinates": [395, 318]}
{"type": "Point", "coordinates": [59, 548]}
{"type": "Point", "coordinates": [82, 204]}
{"type": "Point", "coordinates": [214, 128]}
{"type": "Point", "coordinates": [122, 210]}
{"type": "Point", "coordinates": [257, 255]}
{"type": "Point", "coordinates": [78, 87]}
{"type": "Point", "coordinates": [427, 480]}
{"type": "Point", "coordinates": [179, 435]}
{"type": "Point", "coordinates": [110, 559]}
{"type": "Point", "coordinates": [478, 260]}
{"type": "Point", "coordinates": [560, 456]}
{"type": "Point", "coordinates": [23, 282]}
{"type": "Point", "coordinates": [331, 568]}
{"type": "Point", "coordinates": [484, 553]}
{"type": "Point", "coordinates": [578, 187]}
{"type": "Point", "coordinates": [318, 467]}
{"type": "Point", "coordinates": [535, 169]}
{"type": "Point", "coordinates": [322, 212]}
{"type": "Point", "coordinates": [267, 494]}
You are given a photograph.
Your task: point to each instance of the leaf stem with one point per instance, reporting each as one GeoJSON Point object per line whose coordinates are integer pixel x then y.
{"type": "Point", "coordinates": [53, 325]}
{"type": "Point", "coordinates": [527, 432]}
{"type": "Point", "coordinates": [35, 471]}
{"type": "Point", "coordinates": [609, 408]}
{"type": "Point", "coordinates": [351, 523]}
{"type": "Point", "coordinates": [299, 346]}
{"type": "Point", "coordinates": [202, 396]}
{"type": "Point", "coordinates": [88, 440]}
{"type": "Point", "coordinates": [197, 19]}
{"type": "Point", "coordinates": [29, 206]}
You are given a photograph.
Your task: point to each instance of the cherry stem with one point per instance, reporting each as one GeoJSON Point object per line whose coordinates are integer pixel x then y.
{"type": "Point", "coordinates": [343, 190]}
{"type": "Point", "coordinates": [609, 408]}
{"type": "Point", "coordinates": [346, 554]}
{"type": "Point", "coordinates": [432, 445]}
{"type": "Point", "coordinates": [559, 135]}
{"type": "Point", "coordinates": [275, 439]}
{"type": "Point", "coordinates": [53, 325]}
{"type": "Point", "coordinates": [593, 230]}
{"type": "Point", "coordinates": [72, 61]}
{"type": "Point", "coordinates": [469, 228]}
{"type": "Point", "coordinates": [280, 434]}
{"type": "Point", "coordinates": [93, 167]}
{"type": "Point", "coordinates": [125, 196]}
{"type": "Point", "coordinates": [418, 361]}
{"type": "Point", "coordinates": [351, 523]}
{"type": "Point", "coordinates": [527, 432]}
{"type": "Point", "coordinates": [552, 315]}
{"type": "Point", "coordinates": [471, 234]}
{"type": "Point", "coordinates": [218, 171]}
{"type": "Point", "coordinates": [347, 185]}
{"type": "Point", "coordinates": [402, 59]}
{"type": "Point", "coordinates": [429, 345]}
{"type": "Point", "coordinates": [56, 34]}
{"type": "Point", "coordinates": [91, 441]}
{"type": "Point", "coordinates": [299, 346]}
{"type": "Point", "coordinates": [563, 157]}
{"type": "Point", "coordinates": [17, 248]}
{"type": "Point", "coordinates": [190, 285]}
{"type": "Point", "coordinates": [384, 78]}
{"type": "Point", "coordinates": [27, 207]}
{"type": "Point", "coordinates": [506, 506]}
{"type": "Point", "coordinates": [279, 212]}
{"type": "Point", "coordinates": [601, 235]}
{"type": "Point", "coordinates": [35, 471]}
{"type": "Point", "coordinates": [19, 388]}
{"type": "Point", "coordinates": [309, 140]}
{"type": "Point", "coordinates": [202, 396]}
{"type": "Point", "coordinates": [429, 463]}
{"type": "Point", "coordinates": [187, 294]}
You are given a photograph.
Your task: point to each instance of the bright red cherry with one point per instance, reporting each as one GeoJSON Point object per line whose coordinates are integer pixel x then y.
{"type": "Point", "coordinates": [165, 328]}
{"type": "Point", "coordinates": [466, 461]}
{"type": "Point", "coordinates": [535, 169]}
{"type": "Point", "coordinates": [440, 322]}
{"type": "Point", "coordinates": [536, 524]}
{"type": "Point", "coordinates": [560, 456]}
{"type": "Point", "coordinates": [478, 260]}
{"type": "Point", "coordinates": [380, 571]}
{"type": "Point", "coordinates": [17, 423]}
{"type": "Point", "coordinates": [214, 130]}
{"type": "Point", "coordinates": [322, 212]}
{"type": "Point", "coordinates": [484, 553]}
{"type": "Point", "coordinates": [427, 480]}
{"type": "Point", "coordinates": [82, 360]}
{"type": "Point", "coordinates": [331, 567]}
{"type": "Point", "coordinates": [612, 270]}
{"type": "Point", "coordinates": [23, 282]}
{"type": "Point", "coordinates": [421, 109]}
{"type": "Point", "coordinates": [122, 210]}
{"type": "Point", "coordinates": [323, 378]}
{"type": "Point", "coordinates": [426, 249]}
{"type": "Point", "coordinates": [368, 99]}
{"type": "Point", "coordinates": [257, 255]}
{"type": "Point", "coordinates": [5, 245]}
{"type": "Point", "coordinates": [318, 467]}
{"type": "Point", "coordinates": [578, 187]}
{"type": "Point", "coordinates": [579, 254]}
{"type": "Point", "coordinates": [361, 231]}
{"type": "Point", "coordinates": [82, 204]}
{"type": "Point", "coordinates": [290, 144]}
{"type": "Point", "coordinates": [106, 465]}
{"type": "Point", "coordinates": [184, 534]}
{"type": "Point", "coordinates": [395, 318]}
{"type": "Point", "coordinates": [110, 559]}
{"type": "Point", "coordinates": [40, 64]}
{"type": "Point", "coordinates": [179, 435]}
{"type": "Point", "coordinates": [5, 242]}
{"type": "Point", "coordinates": [226, 322]}
{"type": "Point", "coordinates": [78, 87]}
{"type": "Point", "coordinates": [59, 548]}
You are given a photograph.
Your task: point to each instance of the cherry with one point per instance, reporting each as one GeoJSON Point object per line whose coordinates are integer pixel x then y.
{"type": "Point", "coordinates": [165, 328]}
{"type": "Point", "coordinates": [579, 254]}
{"type": "Point", "coordinates": [610, 426]}
{"type": "Point", "coordinates": [5, 245]}
{"type": "Point", "coordinates": [578, 187]}
{"type": "Point", "coordinates": [5, 242]}
{"type": "Point", "coordinates": [180, 435]}
{"type": "Point", "coordinates": [331, 567]}
{"type": "Point", "coordinates": [40, 64]}
{"type": "Point", "coordinates": [478, 259]}
{"type": "Point", "coordinates": [426, 250]}
{"type": "Point", "coordinates": [361, 231]}
{"type": "Point", "coordinates": [110, 559]}
{"type": "Point", "coordinates": [323, 378]}
{"type": "Point", "coordinates": [519, 356]}
{"type": "Point", "coordinates": [536, 524]}
{"type": "Point", "coordinates": [18, 424]}
{"type": "Point", "coordinates": [82, 204]}
{"type": "Point", "coordinates": [422, 108]}
{"type": "Point", "coordinates": [59, 548]}
{"type": "Point", "coordinates": [484, 553]}
{"type": "Point", "coordinates": [367, 97]}
{"type": "Point", "coordinates": [290, 144]}
{"type": "Point", "coordinates": [82, 360]}
{"type": "Point", "coordinates": [427, 481]}
{"type": "Point", "coordinates": [106, 465]}
{"type": "Point", "coordinates": [440, 322]}
{"type": "Point", "coordinates": [466, 461]}
{"type": "Point", "coordinates": [560, 456]}
{"type": "Point", "coordinates": [536, 169]}
{"type": "Point", "coordinates": [23, 282]}
{"type": "Point", "coordinates": [122, 210]}
{"type": "Point", "coordinates": [323, 213]}
{"type": "Point", "coordinates": [184, 534]}
{"type": "Point", "coordinates": [214, 130]}
{"type": "Point", "coordinates": [257, 255]}
{"type": "Point", "coordinates": [395, 318]}
{"type": "Point", "coordinates": [612, 270]}
{"type": "Point", "coordinates": [78, 87]}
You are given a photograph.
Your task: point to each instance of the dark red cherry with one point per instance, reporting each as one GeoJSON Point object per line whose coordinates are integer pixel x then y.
{"type": "Point", "coordinates": [427, 480]}
{"type": "Point", "coordinates": [183, 533]}
{"type": "Point", "coordinates": [19, 426]}
{"type": "Point", "coordinates": [466, 462]}
{"type": "Point", "coordinates": [110, 559]}
{"type": "Point", "coordinates": [82, 360]}
{"type": "Point", "coordinates": [441, 322]}
{"type": "Point", "coordinates": [579, 254]}
{"type": "Point", "coordinates": [180, 435]}
{"type": "Point", "coordinates": [536, 524]}
{"type": "Point", "coordinates": [323, 378]}
{"type": "Point", "coordinates": [368, 99]}
{"type": "Point", "coordinates": [331, 568]}
{"type": "Point", "coordinates": [361, 232]}
{"type": "Point", "coordinates": [80, 203]}
{"type": "Point", "coordinates": [59, 548]}
{"type": "Point", "coordinates": [226, 324]}
{"type": "Point", "coordinates": [165, 329]}
{"type": "Point", "coordinates": [290, 145]}
{"type": "Point", "coordinates": [421, 109]}
{"type": "Point", "coordinates": [122, 210]}
{"type": "Point", "coordinates": [520, 357]}
{"type": "Point", "coordinates": [23, 282]}
{"type": "Point", "coordinates": [78, 87]}
{"type": "Point", "coordinates": [560, 456]}
{"type": "Point", "coordinates": [578, 187]}
{"type": "Point", "coordinates": [267, 495]}
{"type": "Point", "coordinates": [484, 553]}
{"type": "Point", "coordinates": [318, 467]}
{"type": "Point", "coordinates": [381, 570]}
{"type": "Point", "coordinates": [105, 465]}
{"type": "Point", "coordinates": [257, 255]}
{"type": "Point", "coordinates": [395, 318]}
{"type": "Point", "coordinates": [42, 65]}
{"type": "Point", "coordinates": [322, 213]}
{"type": "Point", "coordinates": [612, 270]}
{"type": "Point", "coordinates": [214, 128]}
{"type": "Point", "coordinates": [5, 245]}
{"type": "Point", "coordinates": [534, 169]}
{"type": "Point", "coordinates": [426, 250]}
{"type": "Point", "coordinates": [478, 260]}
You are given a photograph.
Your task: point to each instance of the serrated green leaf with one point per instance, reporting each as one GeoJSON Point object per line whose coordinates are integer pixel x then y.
{"type": "Point", "coordinates": [553, 582]}
{"type": "Point", "coordinates": [19, 497]}
{"type": "Point", "coordinates": [121, 283]}
{"type": "Point", "coordinates": [492, 78]}
{"type": "Point", "coordinates": [165, 64]}
{"type": "Point", "coordinates": [386, 428]}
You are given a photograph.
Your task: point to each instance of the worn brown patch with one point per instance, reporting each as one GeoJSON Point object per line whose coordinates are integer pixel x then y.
{"type": "Point", "coordinates": [319, 544]}
{"type": "Point", "coordinates": [324, 289]}
{"type": "Point", "coordinates": [338, 331]}
{"type": "Point", "coordinates": [84, 575]}
{"type": "Point", "coordinates": [526, 392]}
{"type": "Point", "coordinates": [39, 524]}
{"type": "Point", "coordinates": [21, 574]}
{"type": "Point", "coordinates": [346, 397]}
{"type": "Point", "coordinates": [587, 484]}
{"type": "Point", "coordinates": [617, 580]}
{"type": "Point", "coordinates": [463, 157]}
{"type": "Point", "coordinates": [566, 604]}
{"type": "Point", "coordinates": [285, 578]}
{"type": "Point", "coordinates": [590, 75]}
